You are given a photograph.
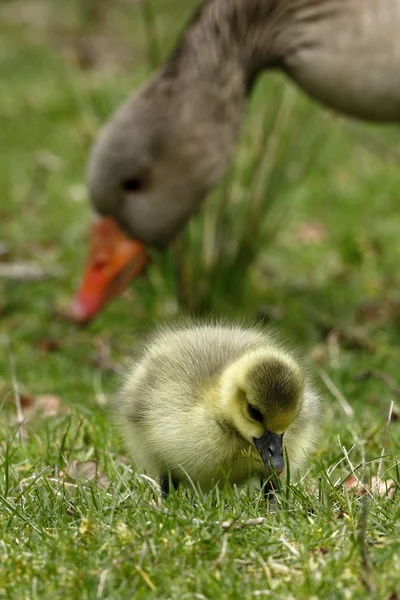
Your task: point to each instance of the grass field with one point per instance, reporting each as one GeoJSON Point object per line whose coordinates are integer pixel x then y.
{"type": "Point", "coordinates": [76, 521]}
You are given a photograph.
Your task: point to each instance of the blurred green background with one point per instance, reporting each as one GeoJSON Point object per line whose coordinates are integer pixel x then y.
{"type": "Point", "coordinates": [302, 233]}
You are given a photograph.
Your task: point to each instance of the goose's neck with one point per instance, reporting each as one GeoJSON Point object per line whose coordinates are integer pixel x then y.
{"type": "Point", "coordinates": [225, 36]}
{"type": "Point", "coordinates": [205, 83]}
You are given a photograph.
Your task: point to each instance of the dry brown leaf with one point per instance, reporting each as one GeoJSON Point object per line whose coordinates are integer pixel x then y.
{"type": "Point", "coordinates": [381, 487]}
{"type": "Point", "coordinates": [311, 233]}
{"type": "Point", "coordinates": [87, 471]}
{"type": "Point", "coordinates": [46, 345]}
{"type": "Point", "coordinates": [351, 483]}
{"type": "Point", "coordinates": [49, 405]}
{"type": "Point", "coordinates": [43, 406]}
{"type": "Point", "coordinates": [380, 311]}
{"type": "Point", "coordinates": [395, 413]}
{"type": "Point", "coordinates": [27, 402]}
{"type": "Point", "coordinates": [321, 550]}
{"type": "Point", "coordinates": [319, 354]}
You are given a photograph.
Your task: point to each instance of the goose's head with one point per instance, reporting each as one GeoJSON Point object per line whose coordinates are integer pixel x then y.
{"type": "Point", "coordinates": [148, 171]}
{"type": "Point", "coordinates": [261, 395]}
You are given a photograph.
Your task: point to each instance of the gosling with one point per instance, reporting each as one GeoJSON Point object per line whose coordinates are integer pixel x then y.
{"type": "Point", "coordinates": [211, 403]}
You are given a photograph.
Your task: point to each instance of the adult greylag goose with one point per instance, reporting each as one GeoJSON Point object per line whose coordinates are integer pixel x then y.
{"type": "Point", "coordinates": [161, 152]}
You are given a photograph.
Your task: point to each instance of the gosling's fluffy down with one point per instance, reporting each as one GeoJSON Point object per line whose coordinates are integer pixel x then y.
{"type": "Point", "coordinates": [199, 397]}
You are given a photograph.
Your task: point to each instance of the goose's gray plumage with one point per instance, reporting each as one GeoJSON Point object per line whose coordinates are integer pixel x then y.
{"type": "Point", "coordinates": [161, 152]}
{"type": "Point", "coordinates": [177, 136]}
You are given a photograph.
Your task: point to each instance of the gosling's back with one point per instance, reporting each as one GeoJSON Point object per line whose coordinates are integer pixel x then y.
{"type": "Point", "coordinates": [187, 359]}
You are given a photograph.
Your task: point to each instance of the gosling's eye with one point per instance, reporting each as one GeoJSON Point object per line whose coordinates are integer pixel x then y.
{"type": "Point", "coordinates": [133, 184]}
{"type": "Point", "coordinates": [255, 413]}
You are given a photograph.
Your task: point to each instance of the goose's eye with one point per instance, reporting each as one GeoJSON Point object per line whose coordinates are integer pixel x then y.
{"type": "Point", "coordinates": [132, 185]}
{"type": "Point", "coordinates": [255, 413]}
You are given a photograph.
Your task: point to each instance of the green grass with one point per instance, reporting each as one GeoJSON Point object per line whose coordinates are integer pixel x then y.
{"type": "Point", "coordinates": [336, 297]}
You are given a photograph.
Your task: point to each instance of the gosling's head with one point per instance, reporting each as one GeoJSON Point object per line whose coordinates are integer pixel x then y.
{"type": "Point", "coordinates": [261, 395]}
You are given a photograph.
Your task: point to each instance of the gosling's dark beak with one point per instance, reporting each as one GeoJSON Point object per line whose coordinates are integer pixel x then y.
{"type": "Point", "coordinates": [270, 447]}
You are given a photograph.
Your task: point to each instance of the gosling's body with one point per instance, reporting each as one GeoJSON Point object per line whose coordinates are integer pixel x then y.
{"type": "Point", "coordinates": [175, 422]}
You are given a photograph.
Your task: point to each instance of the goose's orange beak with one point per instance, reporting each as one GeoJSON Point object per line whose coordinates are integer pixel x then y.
{"type": "Point", "coordinates": [114, 259]}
